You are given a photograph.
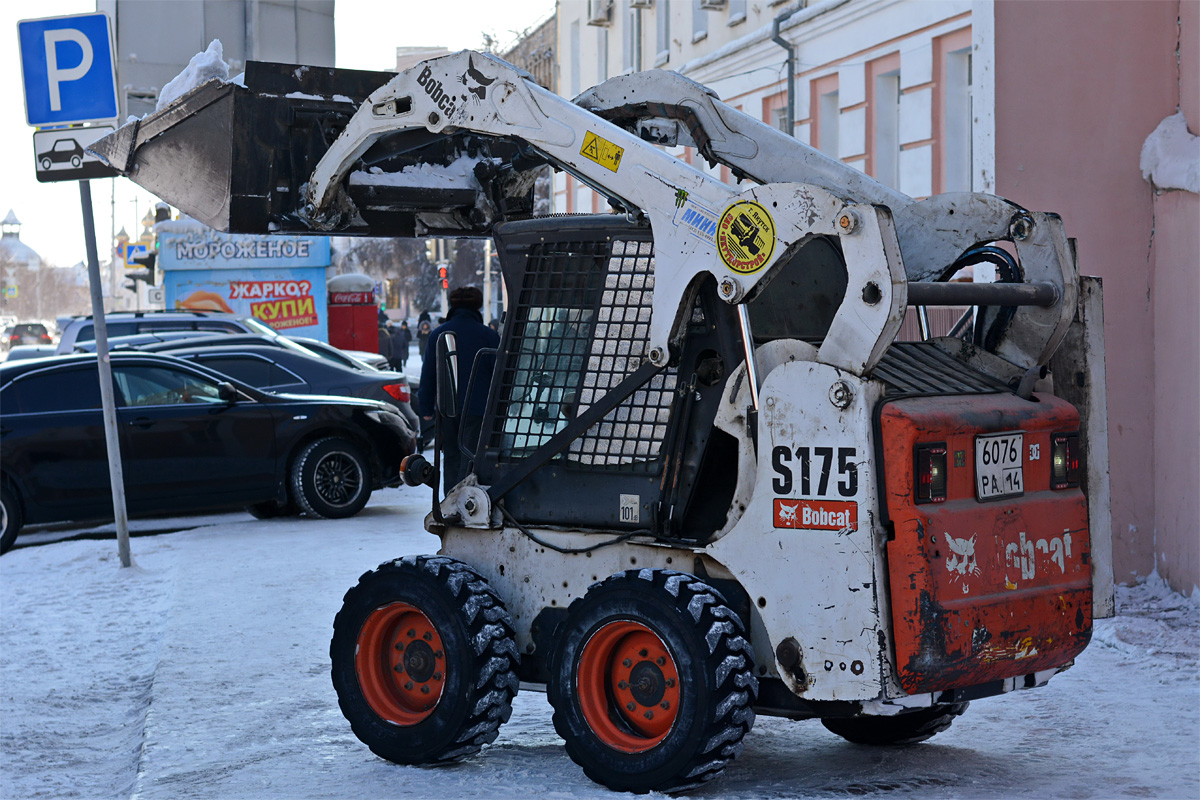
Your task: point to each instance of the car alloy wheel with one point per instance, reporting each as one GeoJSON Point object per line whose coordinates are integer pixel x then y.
{"type": "Point", "coordinates": [331, 478]}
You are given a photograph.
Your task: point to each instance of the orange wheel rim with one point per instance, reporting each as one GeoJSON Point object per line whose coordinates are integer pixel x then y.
{"type": "Point", "coordinates": [628, 686]}
{"type": "Point", "coordinates": [401, 664]}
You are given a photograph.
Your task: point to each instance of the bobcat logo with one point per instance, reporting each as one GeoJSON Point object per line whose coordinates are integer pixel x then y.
{"type": "Point", "coordinates": [787, 514]}
{"type": "Point", "coordinates": [480, 80]}
{"type": "Point", "coordinates": [961, 562]}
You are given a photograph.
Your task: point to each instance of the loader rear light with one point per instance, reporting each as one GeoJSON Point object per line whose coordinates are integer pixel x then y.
{"type": "Point", "coordinates": [930, 474]}
{"type": "Point", "coordinates": [1064, 460]}
{"type": "Point", "coordinates": [397, 390]}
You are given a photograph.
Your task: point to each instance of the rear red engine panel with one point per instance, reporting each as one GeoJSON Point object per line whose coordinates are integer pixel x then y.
{"type": "Point", "coordinates": [983, 590]}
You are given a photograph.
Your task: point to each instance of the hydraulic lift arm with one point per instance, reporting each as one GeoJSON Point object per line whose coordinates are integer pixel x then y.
{"type": "Point", "coordinates": [738, 242]}
{"type": "Point", "coordinates": [934, 234]}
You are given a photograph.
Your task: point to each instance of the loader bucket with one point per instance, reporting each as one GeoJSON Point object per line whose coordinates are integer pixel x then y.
{"type": "Point", "coordinates": [238, 158]}
{"type": "Point", "coordinates": [185, 154]}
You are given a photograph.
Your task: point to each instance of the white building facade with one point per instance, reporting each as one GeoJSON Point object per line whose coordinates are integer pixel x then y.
{"type": "Point", "coordinates": [888, 86]}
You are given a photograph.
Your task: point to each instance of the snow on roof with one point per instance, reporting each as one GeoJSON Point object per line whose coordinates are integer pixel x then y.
{"type": "Point", "coordinates": [12, 249]}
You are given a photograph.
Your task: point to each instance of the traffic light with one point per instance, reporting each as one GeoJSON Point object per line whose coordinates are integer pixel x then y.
{"type": "Point", "coordinates": [431, 251]}
{"type": "Point", "coordinates": [444, 277]}
{"type": "Point", "coordinates": [149, 274]}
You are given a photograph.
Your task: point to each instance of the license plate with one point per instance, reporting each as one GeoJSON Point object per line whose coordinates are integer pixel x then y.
{"type": "Point", "coordinates": [999, 465]}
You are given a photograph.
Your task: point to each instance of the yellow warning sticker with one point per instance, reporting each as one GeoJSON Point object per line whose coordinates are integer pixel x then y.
{"type": "Point", "coordinates": [745, 237]}
{"type": "Point", "coordinates": [602, 151]}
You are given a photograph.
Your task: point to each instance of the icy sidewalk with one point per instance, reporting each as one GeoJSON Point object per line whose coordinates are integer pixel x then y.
{"type": "Point", "coordinates": [216, 649]}
{"type": "Point", "coordinates": [79, 643]}
{"type": "Point", "coordinates": [242, 704]}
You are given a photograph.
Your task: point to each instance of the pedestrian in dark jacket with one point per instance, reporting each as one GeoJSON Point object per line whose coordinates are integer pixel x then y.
{"type": "Point", "coordinates": [385, 341]}
{"type": "Point", "coordinates": [466, 322]}
{"type": "Point", "coordinates": [424, 328]}
{"type": "Point", "coordinates": [401, 339]}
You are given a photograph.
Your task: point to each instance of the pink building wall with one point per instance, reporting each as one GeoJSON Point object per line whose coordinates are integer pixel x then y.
{"type": "Point", "coordinates": [1078, 87]}
{"type": "Point", "coordinates": [1177, 343]}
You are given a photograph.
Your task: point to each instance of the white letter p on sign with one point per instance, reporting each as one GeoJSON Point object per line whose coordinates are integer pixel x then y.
{"type": "Point", "coordinates": [54, 74]}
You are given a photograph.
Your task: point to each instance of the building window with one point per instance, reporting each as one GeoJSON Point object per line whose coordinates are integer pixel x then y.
{"type": "Point", "coordinates": [886, 168]}
{"type": "Point", "coordinates": [775, 111]}
{"type": "Point", "coordinates": [737, 12]}
{"type": "Point", "coordinates": [957, 120]}
{"type": "Point", "coordinates": [575, 64]}
{"type": "Point", "coordinates": [951, 169]}
{"type": "Point", "coordinates": [601, 54]}
{"type": "Point", "coordinates": [699, 21]}
{"type": "Point", "coordinates": [825, 111]}
{"type": "Point", "coordinates": [883, 119]}
{"type": "Point", "coordinates": [631, 41]}
{"type": "Point", "coordinates": [662, 20]}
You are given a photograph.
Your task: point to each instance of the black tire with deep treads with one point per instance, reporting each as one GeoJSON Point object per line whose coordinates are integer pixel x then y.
{"type": "Point", "coordinates": [714, 661]}
{"type": "Point", "coordinates": [10, 518]}
{"type": "Point", "coordinates": [903, 729]}
{"type": "Point", "coordinates": [331, 478]}
{"type": "Point", "coordinates": [477, 634]}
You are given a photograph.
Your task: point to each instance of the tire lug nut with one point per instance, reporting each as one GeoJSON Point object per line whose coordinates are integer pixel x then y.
{"type": "Point", "coordinates": [411, 633]}
{"type": "Point", "coordinates": [408, 685]}
{"type": "Point", "coordinates": [399, 668]}
{"type": "Point", "coordinates": [623, 685]}
{"type": "Point", "coordinates": [670, 683]}
{"type": "Point", "coordinates": [627, 663]}
{"type": "Point", "coordinates": [643, 652]}
{"type": "Point", "coordinates": [400, 646]}
{"type": "Point", "coordinates": [630, 706]}
{"type": "Point", "coordinates": [437, 676]}
{"type": "Point", "coordinates": [649, 715]}
{"type": "Point", "coordinates": [437, 654]}
{"type": "Point", "coordinates": [425, 689]}
{"type": "Point", "coordinates": [660, 661]}
{"type": "Point", "coordinates": [428, 636]}
{"type": "Point", "coordinates": [664, 705]}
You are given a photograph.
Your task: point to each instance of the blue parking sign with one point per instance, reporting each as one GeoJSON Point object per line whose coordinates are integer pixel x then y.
{"type": "Point", "coordinates": [68, 67]}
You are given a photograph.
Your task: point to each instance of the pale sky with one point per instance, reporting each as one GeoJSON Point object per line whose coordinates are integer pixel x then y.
{"type": "Point", "coordinates": [368, 31]}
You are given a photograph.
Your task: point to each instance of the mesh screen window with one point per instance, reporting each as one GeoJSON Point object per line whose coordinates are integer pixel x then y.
{"type": "Point", "coordinates": [582, 329]}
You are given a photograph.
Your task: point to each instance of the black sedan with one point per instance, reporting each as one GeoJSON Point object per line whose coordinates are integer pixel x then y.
{"type": "Point", "coordinates": [278, 364]}
{"type": "Point", "coordinates": [191, 440]}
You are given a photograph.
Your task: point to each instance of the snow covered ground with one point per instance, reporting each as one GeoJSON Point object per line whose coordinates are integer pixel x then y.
{"type": "Point", "coordinates": [203, 672]}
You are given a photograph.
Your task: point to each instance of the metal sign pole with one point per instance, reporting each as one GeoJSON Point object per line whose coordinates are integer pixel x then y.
{"type": "Point", "coordinates": [116, 477]}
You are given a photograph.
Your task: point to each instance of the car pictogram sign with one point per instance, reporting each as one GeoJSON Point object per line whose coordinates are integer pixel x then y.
{"type": "Point", "coordinates": [61, 154]}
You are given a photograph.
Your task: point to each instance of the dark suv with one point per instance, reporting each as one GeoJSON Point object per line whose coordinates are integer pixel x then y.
{"type": "Point", "coordinates": [25, 333]}
{"type": "Point", "coordinates": [76, 330]}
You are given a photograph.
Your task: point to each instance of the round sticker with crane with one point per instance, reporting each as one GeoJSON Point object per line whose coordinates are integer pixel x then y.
{"type": "Point", "coordinates": [745, 237]}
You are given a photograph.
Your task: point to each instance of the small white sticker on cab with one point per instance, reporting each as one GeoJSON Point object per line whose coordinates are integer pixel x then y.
{"type": "Point", "coordinates": [631, 508]}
